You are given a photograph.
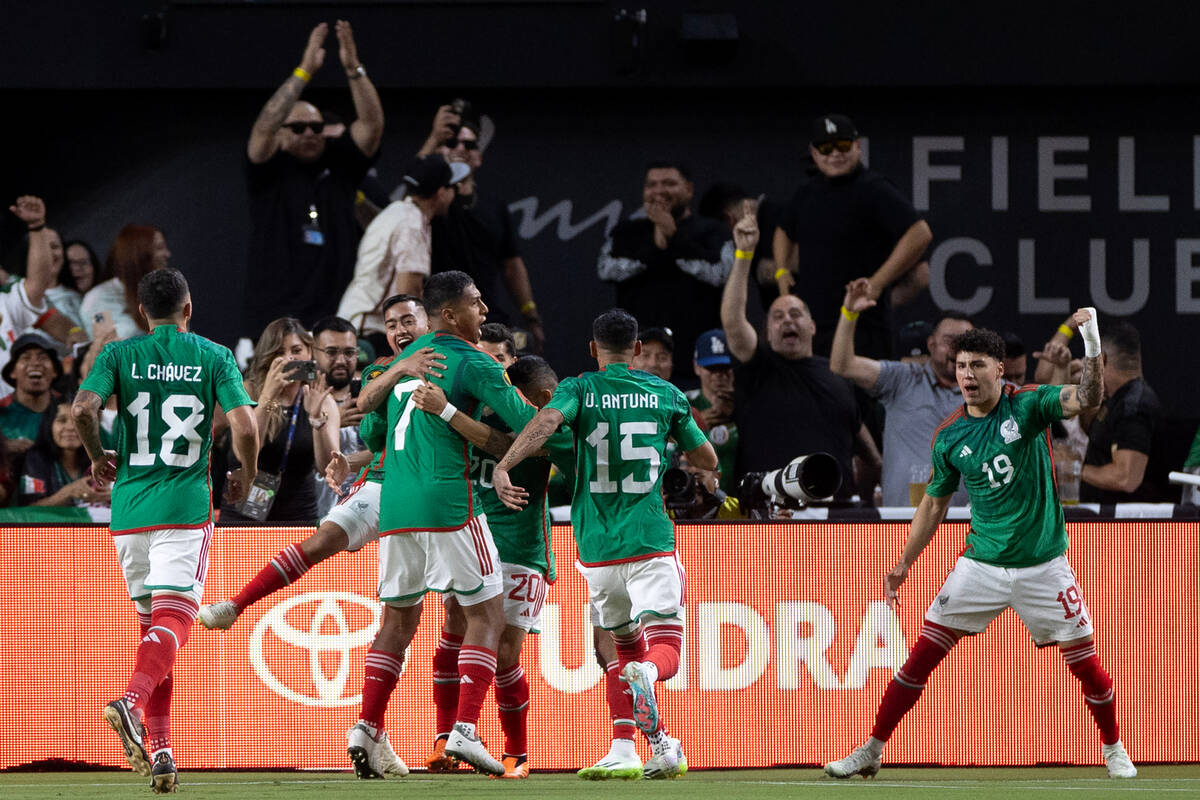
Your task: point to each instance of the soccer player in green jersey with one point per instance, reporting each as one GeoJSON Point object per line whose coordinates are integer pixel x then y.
{"type": "Point", "coordinates": [168, 385]}
{"type": "Point", "coordinates": [433, 534]}
{"type": "Point", "coordinates": [621, 420]}
{"type": "Point", "coordinates": [999, 444]}
{"type": "Point", "coordinates": [523, 542]}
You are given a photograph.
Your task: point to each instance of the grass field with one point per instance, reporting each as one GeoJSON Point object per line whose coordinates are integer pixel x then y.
{"type": "Point", "coordinates": [935, 783]}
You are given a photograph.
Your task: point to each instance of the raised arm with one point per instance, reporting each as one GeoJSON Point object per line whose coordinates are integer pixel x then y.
{"type": "Point", "coordinates": [263, 140]}
{"type": "Point", "coordinates": [367, 128]}
{"type": "Point", "coordinates": [928, 516]}
{"type": "Point", "coordinates": [243, 429]}
{"type": "Point", "coordinates": [904, 256]}
{"type": "Point", "coordinates": [1046, 359]}
{"type": "Point", "coordinates": [39, 267]}
{"type": "Point", "coordinates": [842, 359]}
{"type": "Point", "coordinates": [516, 277]}
{"type": "Point", "coordinates": [739, 333]}
{"type": "Point", "coordinates": [786, 254]}
{"type": "Point", "coordinates": [1090, 391]}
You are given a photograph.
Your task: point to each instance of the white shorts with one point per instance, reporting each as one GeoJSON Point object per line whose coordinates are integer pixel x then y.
{"type": "Point", "coordinates": [464, 562]}
{"type": "Point", "coordinates": [1046, 597]}
{"type": "Point", "coordinates": [636, 591]}
{"type": "Point", "coordinates": [358, 515]}
{"type": "Point", "coordinates": [165, 560]}
{"type": "Point", "coordinates": [524, 594]}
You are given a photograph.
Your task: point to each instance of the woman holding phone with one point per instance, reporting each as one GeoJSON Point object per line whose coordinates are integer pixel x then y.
{"type": "Point", "coordinates": [297, 427]}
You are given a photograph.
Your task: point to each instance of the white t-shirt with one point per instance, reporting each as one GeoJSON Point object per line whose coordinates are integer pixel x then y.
{"type": "Point", "coordinates": [17, 315]}
{"type": "Point", "coordinates": [398, 240]}
{"type": "Point", "coordinates": [109, 296]}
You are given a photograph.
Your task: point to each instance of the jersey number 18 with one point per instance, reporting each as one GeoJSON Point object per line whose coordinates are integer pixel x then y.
{"type": "Point", "coordinates": [183, 414]}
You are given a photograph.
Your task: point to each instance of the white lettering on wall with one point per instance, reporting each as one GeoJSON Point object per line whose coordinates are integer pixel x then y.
{"type": "Point", "coordinates": [1049, 171]}
{"type": "Point", "coordinates": [714, 618]}
{"type": "Point", "coordinates": [1127, 197]}
{"type": "Point", "coordinates": [925, 172]}
{"type": "Point", "coordinates": [938, 262]}
{"type": "Point", "coordinates": [1027, 300]}
{"type": "Point", "coordinates": [1098, 279]}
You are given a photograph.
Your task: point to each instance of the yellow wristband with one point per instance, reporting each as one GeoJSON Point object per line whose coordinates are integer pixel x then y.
{"type": "Point", "coordinates": [359, 198]}
{"type": "Point", "coordinates": [76, 329]}
{"type": "Point", "coordinates": [302, 74]}
{"type": "Point", "coordinates": [1066, 331]}
{"type": "Point", "coordinates": [745, 255]}
{"type": "Point", "coordinates": [850, 315]}
{"type": "Point", "coordinates": [529, 308]}
{"type": "Point", "coordinates": [779, 273]}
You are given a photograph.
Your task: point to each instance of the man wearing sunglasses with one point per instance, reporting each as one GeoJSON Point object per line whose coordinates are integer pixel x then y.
{"type": "Point", "coordinates": [302, 185]}
{"type": "Point", "coordinates": [847, 222]}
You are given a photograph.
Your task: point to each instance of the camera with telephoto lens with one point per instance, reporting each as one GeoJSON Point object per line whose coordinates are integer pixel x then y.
{"type": "Point", "coordinates": [805, 479]}
{"type": "Point", "coordinates": [686, 497]}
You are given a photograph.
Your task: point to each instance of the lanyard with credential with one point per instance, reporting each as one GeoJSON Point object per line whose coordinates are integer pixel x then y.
{"type": "Point", "coordinates": [287, 445]}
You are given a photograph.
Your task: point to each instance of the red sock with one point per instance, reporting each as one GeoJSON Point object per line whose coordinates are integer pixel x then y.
{"type": "Point", "coordinates": [285, 568]}
{"type": "Point", "coordinates": [630, 647]}
{"type": "Point", "coordinates": [902, 693]}
{"type": "Point", "coordinates": [171, 618]}
{"type": "Point", "coordinates": [381, 670]}
{"type": "Point", "coordinates": [476, 670]}
{"type": "Point", "coordinates": [512, 698]}
{"type": "Point", "coordinates": [664, 644]}
{"type": "Point", "coordinates": [620, 703]}
{"type": "Point", "coordinates": [1097, 688]}
{"type": "Point", "coordinates": [445, 682]}
{"type": "Point", "coordinates": [158, 716]}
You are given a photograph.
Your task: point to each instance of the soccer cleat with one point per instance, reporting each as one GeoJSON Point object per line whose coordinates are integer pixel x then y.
{"type": "Point", "coordinates": [1120, 765]}
{"type": "Point", "coordinates": [668, 764]}
{"type": "Point", "coordinates": [515, 768]}
{"type": "Point", "coordinates": [372, 758]}
{"type": "Point", "coordinates": [119, 716]}
{"type": "Point", "coordinates": [863, 761]}
{"type": "Point", "coordinates": [616, 765]}
{"type": "Point", "coordinates": [218, 616]}
{"type": "Point", "coordinates": [438, 761]}
{"type": "Point", "coordinates": [164, 778]}
{"type": "Point", "coordinates": [640, 676]}
{"type": "Point", "coordinates": [468, 748]}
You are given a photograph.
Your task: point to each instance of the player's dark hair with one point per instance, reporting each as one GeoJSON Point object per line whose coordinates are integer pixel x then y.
{"type": "Point", "coordinates": [661, 335]}
{"type": "Point", "coordinates": [445, 288]}
{"type": "Point", "coordinates": [531, 371]}
{"type": "Point", "coordinates": [1013, 346]}
{"type": "Point", "coordinates": [335, 324]}
{"type": "Point", "coordinates": [678, 166]}
{"type": "Point", "coordinates": [162, 292]}
{"type": "Point", "coordinates": [401, 298]}
{"type": "Point", "coordinates": [958, 315]}
{"type": "Point", "coordinates": [980, 340]}
{"type": "Point", "coordinates": [615, 330]}
{"type": "Point", "coordinates": [496, 333]}
{"type": "Point", "coordinates": [1123, 344]}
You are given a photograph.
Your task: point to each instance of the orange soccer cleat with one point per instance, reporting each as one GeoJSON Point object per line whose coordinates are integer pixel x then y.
{"type": "Point", "coordinates": [515, 768]}
{"type": "Point", "coordinates": [438, 761]}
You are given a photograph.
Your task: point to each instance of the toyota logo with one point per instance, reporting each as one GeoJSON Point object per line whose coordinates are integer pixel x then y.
{"type": "Point", "coordinates": [327, 606]}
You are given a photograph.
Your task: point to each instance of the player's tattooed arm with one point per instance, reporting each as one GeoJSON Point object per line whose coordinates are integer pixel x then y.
{"type": "Point", "coordinates": [530, 441]}
{"type": "Point", "coordinates": [1088, 393]}
{"type": "Point", "coordinates": [86, 411]}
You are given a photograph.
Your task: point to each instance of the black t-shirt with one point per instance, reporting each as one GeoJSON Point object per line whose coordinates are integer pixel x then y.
{"type": "Point", "coordinates": [286, 276]}
{"type": "Point", "coordinates": [793, 407]}
{"type": "Point", "coordinates": [845, 228]}
{"type": "Point", "coordinates": [663, 295]}
{"type": "Point", "coordinates": [296, 499]}
{"type": "Point", "coordinates": [477, 237]}
{"type": "Point", "coordinates": [1128, 420]}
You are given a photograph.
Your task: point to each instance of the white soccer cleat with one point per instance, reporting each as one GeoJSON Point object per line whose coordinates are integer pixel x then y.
{"type": "Point", "coordinates": [641, 675]}
{"type": "Point", "coordinates": [671, 763]}
{"type": "Point", "coordinates": [863, 761]}
{"type": "Point", "coordinates": [372, 758]}
{"type": "Point", "coordinates": [620, 763]}
{"type": "Point", "coordinates": [1120, 765]}
{"type": "Point", "coordinates": [218, 616]}
{"type": "Point", "coordinates": [467, 747]}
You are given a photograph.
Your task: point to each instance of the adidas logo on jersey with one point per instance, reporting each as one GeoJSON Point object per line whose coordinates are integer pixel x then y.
{"type": "Point", "coordinates": [966, 451]}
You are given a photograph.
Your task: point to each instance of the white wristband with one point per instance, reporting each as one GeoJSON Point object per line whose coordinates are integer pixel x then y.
{"type": "Point", "coordinates": [1090, 331]}
{"type": "Point", "coordinates": [448, 412]}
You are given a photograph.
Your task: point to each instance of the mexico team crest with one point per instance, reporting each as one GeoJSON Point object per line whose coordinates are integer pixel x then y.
{"type": "Point", "coordinates": [1009, 431]}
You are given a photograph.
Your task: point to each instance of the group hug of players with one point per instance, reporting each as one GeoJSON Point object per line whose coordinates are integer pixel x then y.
{"type": "Point", "coordinates": [457, 502]}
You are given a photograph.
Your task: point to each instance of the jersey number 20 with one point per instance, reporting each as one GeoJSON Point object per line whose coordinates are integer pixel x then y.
{"type": "Point", "coordinates": [183, 414]}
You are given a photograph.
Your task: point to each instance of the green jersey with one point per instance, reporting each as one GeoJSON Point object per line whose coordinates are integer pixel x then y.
{"type": "Point", "coordinates": [621, 420]}
{"type": "Point", "coordinates": [427, 482]}
{"type": "Point", "coordinates": [167, 385]}
{"type": "Point", "coordinates": [522, 537]}
{"type": "Point", "coordinates": [372, 430]}
{"type": "Point", "coordinates": [1006, 466]}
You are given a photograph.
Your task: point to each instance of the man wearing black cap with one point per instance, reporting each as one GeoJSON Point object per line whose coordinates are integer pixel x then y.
{"type": "Point", "coordinates": [658, 353]}
{"type": "Point", "coordinates": [847, 222]}
{"type": "Point", "coordinates": [32, 366]}
{"type": "Point", "coordinates": [394, 254]}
